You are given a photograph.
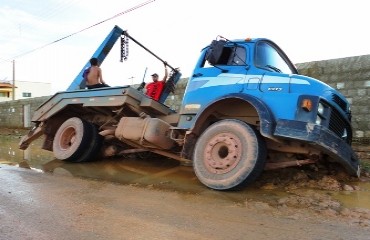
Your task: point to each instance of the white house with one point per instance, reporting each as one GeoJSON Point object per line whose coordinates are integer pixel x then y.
{"type": "Point", "coordinates": [23, 89]}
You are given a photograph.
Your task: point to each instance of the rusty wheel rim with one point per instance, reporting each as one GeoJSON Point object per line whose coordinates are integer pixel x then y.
{"type": "Point", "coordinates": [67, 138]}
{"type": "Point", "coordinates": [222, 153]}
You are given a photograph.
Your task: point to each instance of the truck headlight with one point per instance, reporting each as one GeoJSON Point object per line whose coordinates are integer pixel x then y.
{"type": "Point", "coordinates": [344, 135]}
{"type": "Point", "coordinates": [318, 120]}
{"type": "Point", "coordinates": [320, 109]}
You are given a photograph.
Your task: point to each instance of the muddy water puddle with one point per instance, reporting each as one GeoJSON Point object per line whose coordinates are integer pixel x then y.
{"type": "Point", "coordinates": [167, 175]}
{"type": "Point", "coordinates": [355, 199]}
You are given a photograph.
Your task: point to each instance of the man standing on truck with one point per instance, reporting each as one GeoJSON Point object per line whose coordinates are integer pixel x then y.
{"type": "Point", "coordinates": [155, 88]}
{"type": "Point", "coordinates": [94, 77]}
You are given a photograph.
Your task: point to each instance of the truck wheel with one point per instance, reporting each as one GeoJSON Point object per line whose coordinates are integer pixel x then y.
{"type": "Point", "coordinates": [92, 152]}
{"type": "Point", "coordinates": [76, 140]}
{"type": "Point", "coordinates": [229, 154]}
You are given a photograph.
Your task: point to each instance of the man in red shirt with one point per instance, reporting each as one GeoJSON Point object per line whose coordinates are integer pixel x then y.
{"type": "Point", "coordinates": [155, 88]}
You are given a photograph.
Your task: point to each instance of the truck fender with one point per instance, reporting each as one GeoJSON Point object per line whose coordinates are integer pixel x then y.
{"type": "Point", "coordinates": [267, 120]}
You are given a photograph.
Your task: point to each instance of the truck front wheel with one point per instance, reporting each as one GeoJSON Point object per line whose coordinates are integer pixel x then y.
{"type": "Point", "coordinates": [229, 154]}
{"type": "Point", "coordinates": [76, 141]}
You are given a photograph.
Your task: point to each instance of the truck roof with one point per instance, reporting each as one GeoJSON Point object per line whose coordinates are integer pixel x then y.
{"type": "Point", "coordinates": [248, 39]}
{"type": "Point", "coordinates": [244, 40]}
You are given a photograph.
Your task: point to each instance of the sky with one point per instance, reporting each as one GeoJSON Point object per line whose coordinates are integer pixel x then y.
{"type": "Point", "coordinates": [174, 30]}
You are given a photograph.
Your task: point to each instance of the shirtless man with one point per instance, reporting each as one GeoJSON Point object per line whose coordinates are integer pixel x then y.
{"type": "Point", "coordinates": [94, 77]}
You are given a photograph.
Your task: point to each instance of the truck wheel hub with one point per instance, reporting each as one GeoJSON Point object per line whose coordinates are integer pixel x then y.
{"type": "Point", "coordinates": [67, 138]}
{"type": "Point", "coordinates": [222, 153]}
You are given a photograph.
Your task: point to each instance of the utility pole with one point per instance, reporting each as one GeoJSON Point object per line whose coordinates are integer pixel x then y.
{"type": "Point", "coordinates": [132, 79]}
{"type": "Point", "coordinates": [13, 85]}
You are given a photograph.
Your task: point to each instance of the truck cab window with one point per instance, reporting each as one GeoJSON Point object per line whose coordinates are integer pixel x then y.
{"type": "Point", "coordinates": [267, 57]}
{"type": "Point", "coordinates": [231, 55]}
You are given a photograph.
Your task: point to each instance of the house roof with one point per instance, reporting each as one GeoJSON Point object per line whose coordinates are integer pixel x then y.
{"type": "Point", "coordinates": [6, 87]}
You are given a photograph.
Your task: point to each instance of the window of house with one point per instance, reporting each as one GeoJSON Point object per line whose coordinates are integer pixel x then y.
{"type": "Point", "coordinates": [26, 94]}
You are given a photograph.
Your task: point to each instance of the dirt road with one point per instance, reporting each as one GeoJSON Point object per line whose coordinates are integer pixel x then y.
{"type": "Point", "coordinates": [37, 205]}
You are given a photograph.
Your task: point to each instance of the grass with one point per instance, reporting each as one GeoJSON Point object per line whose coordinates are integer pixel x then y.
{"type": "Point", "coordinates": [365, 166]}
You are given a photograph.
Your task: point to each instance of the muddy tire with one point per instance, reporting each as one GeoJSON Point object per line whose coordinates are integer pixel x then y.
{"type": "Point", "coordinates": [92, 152]}
{"type": "Point", "coordinates": [229, 154]}
{"type": "Point", "coordinates": [76, 140]}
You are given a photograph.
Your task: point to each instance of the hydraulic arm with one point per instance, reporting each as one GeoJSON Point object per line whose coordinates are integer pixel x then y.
{"type": "Point", "coordinates": [105, 47]}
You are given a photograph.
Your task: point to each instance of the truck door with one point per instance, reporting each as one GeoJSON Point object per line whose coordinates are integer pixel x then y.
{"type": "Point", "coordinates": [274, 66]}
{"type": "Point", "coordinates": [227, 76]}
{"type": "Point", "coordinates": [275, 70]}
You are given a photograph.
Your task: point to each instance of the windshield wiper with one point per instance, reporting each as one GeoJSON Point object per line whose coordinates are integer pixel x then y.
{"type": "Point", "coordinates": [274, 68]}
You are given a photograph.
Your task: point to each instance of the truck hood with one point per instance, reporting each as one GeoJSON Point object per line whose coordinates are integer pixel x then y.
{"type": "Point", "coordinates": [319, 88]}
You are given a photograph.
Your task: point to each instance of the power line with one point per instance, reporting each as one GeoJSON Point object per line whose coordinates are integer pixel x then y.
{"type": "Point", "coordinates": [58, 8]}
{"type": "Point", "coordinates": [84, 29]}
{"type": "Point", "coordinates": [43, 13]}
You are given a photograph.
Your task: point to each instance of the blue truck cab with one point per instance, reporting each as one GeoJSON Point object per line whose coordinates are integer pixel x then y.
{"type": "Point", "coordinates": [253, 82]}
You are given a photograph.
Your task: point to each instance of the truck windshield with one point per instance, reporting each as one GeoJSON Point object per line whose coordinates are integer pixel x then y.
{"type": "Point", "coordinates": [268, 57]}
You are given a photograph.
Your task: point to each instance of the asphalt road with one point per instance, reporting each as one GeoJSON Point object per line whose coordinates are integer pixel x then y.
{"type": "Point", "coordinates": [37, 205]}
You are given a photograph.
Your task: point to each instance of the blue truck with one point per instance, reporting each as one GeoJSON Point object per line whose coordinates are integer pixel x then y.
{"type": "Point", "coordinates": [245, 109]}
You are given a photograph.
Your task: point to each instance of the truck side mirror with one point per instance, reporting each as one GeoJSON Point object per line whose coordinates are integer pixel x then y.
{"type": "Point", "coordinates": [214, 51]}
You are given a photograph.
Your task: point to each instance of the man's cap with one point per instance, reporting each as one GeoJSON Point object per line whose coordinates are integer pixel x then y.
{"type": "Point", "coordinates": [154, 75]}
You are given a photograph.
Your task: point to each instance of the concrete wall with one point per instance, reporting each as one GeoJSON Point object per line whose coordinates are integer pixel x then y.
{"type": "Point", "coordinates": [18, 113]}
{"type": "Point", "coordinates": [350, 76]}
{"type": "Point", "coordinates": [174, 100]}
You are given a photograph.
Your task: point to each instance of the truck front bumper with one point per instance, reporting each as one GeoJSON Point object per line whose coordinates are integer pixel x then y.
{"type": "Point", "coordinates": [321, 138]}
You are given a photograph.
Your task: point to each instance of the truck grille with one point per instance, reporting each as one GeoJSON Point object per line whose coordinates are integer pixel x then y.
{"type": "Point", "coordinates": [340, 102]}
{"type": "Point", "coordinates": [339, 126]}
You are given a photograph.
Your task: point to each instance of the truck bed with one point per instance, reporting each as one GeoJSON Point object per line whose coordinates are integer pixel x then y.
{"type": "Point", "coordinates": [100, 97]}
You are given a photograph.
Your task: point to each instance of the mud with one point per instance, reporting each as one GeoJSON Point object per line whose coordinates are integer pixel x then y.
{"type": "Point", "coordinates": [47, 206]}
{"type": "Point", "coordinates": [314, 191]}
{"type": "Point", "coordinates": [325, 191]}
